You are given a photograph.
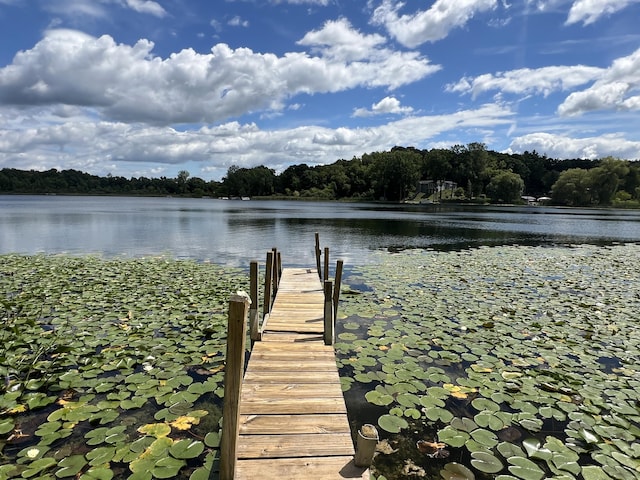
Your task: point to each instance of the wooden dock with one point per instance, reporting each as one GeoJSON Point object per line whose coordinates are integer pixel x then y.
{"type": "Point", "coordinates": [292, 419]}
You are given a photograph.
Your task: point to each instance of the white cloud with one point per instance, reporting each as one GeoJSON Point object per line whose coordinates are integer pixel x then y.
{"type": "Point", "coordinates": [428, 25]}
{"type": "Point", "coordinates": [81, 142]}
{"type": "Point", "coordinates": [612, 91]}
{"type": "Point", "coordinates": [238, 22]}
{"type": "Point", "coordinates": [76, 8]}
{"type": "Point", "coordinates": [338, 39]}
{"type": "Point", "coordinates": [146, 6]}
{"type": "Point", "coordinates": [92, 8]}
{"type": "Point", "coordinates": [560, 146]}
{"type": "Point", "coordinates": [545, 80]}
{"type": "Point", "coordinates": [129, 83]}
{"type": "Point", "coordinates": [589, 11]}
{"type": "Point", "coordinates": [388, 105]}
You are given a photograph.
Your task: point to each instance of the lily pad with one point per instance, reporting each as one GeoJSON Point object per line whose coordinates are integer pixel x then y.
{"type": "Point", "coordinates": [525, 468]}
{"type": "Point", "coordinates": [184, 449]}
{"type": "Point", "coordinates": [392, 423]}
{"type": "Point", "coordinates": [486, 462]}
{"type": "Point", "coordinates": [456, 471]}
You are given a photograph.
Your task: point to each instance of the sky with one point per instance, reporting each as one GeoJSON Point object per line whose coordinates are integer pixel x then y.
{"type": "Point", "coordinates": [151, 87]}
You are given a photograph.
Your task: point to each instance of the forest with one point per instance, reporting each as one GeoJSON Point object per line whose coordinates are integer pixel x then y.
{"type": "Point", "coordinates": [462, 173]}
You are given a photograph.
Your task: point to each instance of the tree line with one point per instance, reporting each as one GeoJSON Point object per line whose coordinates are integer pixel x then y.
{"type": "Point", "coordinates": [473, 173]}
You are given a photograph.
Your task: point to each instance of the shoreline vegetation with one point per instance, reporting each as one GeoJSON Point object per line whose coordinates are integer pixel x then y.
{"type": "Point", "coordinates": [516, 361]}
{"type": "Point", "coordinates": [460, 174]}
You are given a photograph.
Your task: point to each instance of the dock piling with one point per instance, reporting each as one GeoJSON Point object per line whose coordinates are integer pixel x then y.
{"type": "Point", "coordinates": [236, 338]}
{"type": "Point", "coordinates": [366, 445]}
{"type": "Point", "coordinates": [328, 314]}
{"type": "Point", "coordinates": [254, 322]}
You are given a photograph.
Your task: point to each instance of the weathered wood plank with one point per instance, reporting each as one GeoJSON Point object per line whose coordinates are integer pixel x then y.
{"type": "Point", "coordinates": [288, 390]}
{"type": "Point", "coordinates": [300, 445]}
{"type": "Point", "coordinates": [292, 406]}
{"type": "Point", "coordinates": [257, 376]}
{"type": "Point", "coordinates": [324, 468]}
{"type": "Point", "coordinates": [283, 424]}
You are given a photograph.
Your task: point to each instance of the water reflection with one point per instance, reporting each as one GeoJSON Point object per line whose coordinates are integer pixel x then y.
{"type": "Point", "coordinates": [235, 232]}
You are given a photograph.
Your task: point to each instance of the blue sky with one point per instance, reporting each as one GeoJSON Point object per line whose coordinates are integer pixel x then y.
{"type": "Point", "coordinates": [149, 88]}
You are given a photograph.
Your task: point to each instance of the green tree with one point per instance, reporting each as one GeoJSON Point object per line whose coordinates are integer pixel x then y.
{"type": "Point", "coordinates": [572, 188]}
{"type": "Point", "coordinates": [606, 178]}
{"type": "Point", "coordinates": [181, 180]}
{"type": "Point", "coordinates": [505, 187]}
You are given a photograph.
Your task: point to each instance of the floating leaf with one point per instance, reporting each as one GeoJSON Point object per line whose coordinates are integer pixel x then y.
{"type": "Point", "coordinates": [525, 468]}
{"type": "Point", "coordinates": [184, 449]}
{"type": "Point", "coordinates": [38, 466]}
{"type": "Point", "coordinates": [594, 472]}
{"type": "Point", "coordinates": [453, 437]}
{"type": "Point", "coordinates": [486, 462]}
{"type": "Point", "coordinates": [71, 466]}
{"type": "Point", "coordinates": [456, 471]}
{"type": "Point", "coordinates": [392, 423]}
{"type": "Point", "coordinates": [535, 450]}
{"type": "Point", "coordinates": [508, 450]}
{"type": "Point", "coordinates": [6, 425]}
{"type": "Point", "coordinates": [485, 437]}
{"type": "Point", "coordinates": [157, 430]}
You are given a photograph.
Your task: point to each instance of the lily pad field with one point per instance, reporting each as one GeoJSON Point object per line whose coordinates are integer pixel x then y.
{"type": "Point", "coordinates": [111, 368]}
{"type": "Point", "coordinates": [508, 362]}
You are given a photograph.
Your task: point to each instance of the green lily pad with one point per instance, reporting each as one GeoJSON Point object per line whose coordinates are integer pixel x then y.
{"type": "Point", "coordinates": [485, 437]}
{"type": "Point", "coordinates": [535, 449]}
{"type": "Point", "coordinates": [525, 468]}
{"type": "Point", "coordinates": [97, 473]}
{"type": "Point", "coordinates": [38, 467]}
{"type": "Point", "coordinates": [481, 404]}
{"type": "Point", "coordinates": [157, 430]}
{"type": "Point", "coordinates": [508, 450]}
{"type": "Point", "coordinates": [212, 439]}
{"type": "Point", "coordinates": [184, 449]}
{"type": "Point", "coordinates": [453, 437]}
{"type": "Point", "coordinates": [167, 467]}
{"type": "Point", "coordinates": [71, 466]}
{"type": "Point", "coordinates": [486, 462]}
{"type": "Point", "coordinates": [594, 472]}
{"type": "Point", "coordinates": [456, 471]}
{"type": "Point", "coordinates": [392, 423]}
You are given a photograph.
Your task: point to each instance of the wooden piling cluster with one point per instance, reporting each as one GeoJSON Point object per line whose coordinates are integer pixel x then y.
{"type": "Point", "coordinates": [285, 417]}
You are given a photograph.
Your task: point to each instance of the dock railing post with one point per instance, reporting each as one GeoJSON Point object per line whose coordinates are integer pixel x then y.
{"type": "Point", "coordinates": [254, 321]}
{"type": "Point", "coordinates": [328, 314]}
{"type": "Point", "coordinates": [268, 278]}
{"type": "Point", "coordinates": [276, 270]}
{"type": "Point", "coordinates": [236, 338]}
{"type": "Point", "coordinates": [318, 253]}
{"type": "Point", "coordinates": [326, 264]}
{"type": "Point", "coordinates": [336, 287]}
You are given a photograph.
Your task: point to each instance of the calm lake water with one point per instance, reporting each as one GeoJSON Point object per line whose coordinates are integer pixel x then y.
{"type": "Point", "coordinates": [234, 232]}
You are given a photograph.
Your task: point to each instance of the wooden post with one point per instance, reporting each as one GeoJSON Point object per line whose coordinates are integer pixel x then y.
{"type": "Point", "coordinates": [279, 263]}
{"type": "Point", "coordinates": [318, 255]}
{"type": "Point", "coordinates": [336, 288]}
{"type": "Point", "coordinates": [236, 335]}
{"type": "Point", "coordinates": [268, 278]}
{"type": "Point", "coordinates": [276, 272]}
{"type": "Point", "coordinates": [326, 264]}
{"type": "Point", "coordinates": [328, 314]}
{"type": "Point", "coordinates": [254, 327]}
{"type": "Point", "coordinates": [366, 445]}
